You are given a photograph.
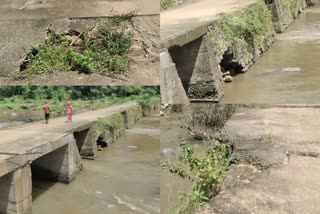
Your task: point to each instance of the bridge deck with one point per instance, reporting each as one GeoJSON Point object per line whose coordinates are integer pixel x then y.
{"type": "Point", "coordinates": [24, 143]}
{"type": "Point", "coordinates": [189, 21]}
{"type": "Point", "coordinates": [52, 9]}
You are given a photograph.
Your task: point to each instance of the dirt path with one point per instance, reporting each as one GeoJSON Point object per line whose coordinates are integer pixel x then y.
{"type": "Point", "coordinates": [279, 150]}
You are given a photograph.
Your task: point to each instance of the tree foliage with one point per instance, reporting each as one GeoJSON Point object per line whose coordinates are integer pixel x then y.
{"type": "Point", "coordinates": [76, 92]}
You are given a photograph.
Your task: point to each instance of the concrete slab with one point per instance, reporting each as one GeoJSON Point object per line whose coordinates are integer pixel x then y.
{"type": "Point", "coordinates": [293, 188]}
{"type": "Point", "coordinates": [19, 36]}
{"type": "Point", "coordinates": [189, 21]}
{"type": "Point", "coordinates": [278, 149]}
{"type": "Point", "coordinates": [295, 128]}
{"type": "Point", "coordinates": [44, 9]}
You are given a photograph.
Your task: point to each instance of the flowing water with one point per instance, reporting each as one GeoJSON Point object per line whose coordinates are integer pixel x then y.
{"type": "Point", "coordinates": [124, 178]}
{"type": "Point", "coordinates": [268, 80]}
{"type": "Point", "coordinates": [171, 136]}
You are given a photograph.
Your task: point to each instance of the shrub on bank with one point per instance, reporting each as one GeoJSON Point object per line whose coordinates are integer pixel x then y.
{"type": "Point", "coordinates": [102, 48]}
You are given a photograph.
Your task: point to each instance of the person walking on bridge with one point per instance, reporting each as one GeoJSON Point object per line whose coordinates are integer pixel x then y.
{"type": "Point", "coordinates": [69, 111]}
{"type": "Point", "coordinates": [46, 110]}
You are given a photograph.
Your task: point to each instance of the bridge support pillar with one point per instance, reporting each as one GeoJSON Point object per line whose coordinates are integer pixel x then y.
{"type": "Point", "coordinates": [62, 164]}
{"type": "Point", "coordinates": [198, 70]}
{"type": "Point", "coordinates": [87, 142]}
{"type": "Point", "coordinates": [172, 91]}
{"type": "Point", "coordinates": [16, 192]}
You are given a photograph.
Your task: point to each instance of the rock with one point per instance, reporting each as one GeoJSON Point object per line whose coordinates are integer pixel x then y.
{"type": "Point", "coordinates": [137, 50]}
{"type": "Point", "coordinates": [227, 73]}
{"type": "Point", "coordinates": [232, 71]}
{"type": "Point", "coordinates": [77, 41]}
{"type": "Point", "coordinates": [132, 147]}
{"type": "Point", "coordinates": [227, 79]}
{"type": "Point", "coordinates": [292, 69]}
{"type": "Point", "coordinates": [93, 34]}
{"type": "Point", "coordinates": [161, 113]}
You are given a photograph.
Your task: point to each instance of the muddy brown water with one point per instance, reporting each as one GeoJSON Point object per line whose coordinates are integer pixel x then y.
{"type": "Point", "coordinates": [171, 137]}
{"type": "Point", "coordinates": [267, 82]}
{"type": "Point", "coordinates": [123, 179]}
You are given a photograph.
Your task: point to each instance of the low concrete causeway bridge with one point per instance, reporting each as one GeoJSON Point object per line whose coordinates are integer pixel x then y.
{"type": "Point", "coordinates": [190, 59]}
{"type": "Point", "coordinates": [53, 151]}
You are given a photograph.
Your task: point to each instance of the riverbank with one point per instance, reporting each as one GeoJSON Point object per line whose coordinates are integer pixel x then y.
{"type": "Point", "coordinates": [224, 43]}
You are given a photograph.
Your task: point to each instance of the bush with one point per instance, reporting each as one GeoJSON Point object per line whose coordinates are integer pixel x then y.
{"type": "Point", "coordinates": [206, 173]}
{"type": "Point", "coordinates": [81, 62]}
{"type": "Point", "coordinates": [107, 50]}
{"type": "Point", "coordinates": [165, 4]}
{"type": "Point", "coordinates": [202, 121]}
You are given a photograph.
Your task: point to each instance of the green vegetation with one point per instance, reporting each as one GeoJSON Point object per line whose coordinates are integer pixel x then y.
{"type": "Point", "coordinates": [165, 4]}
{"type": "Point", "coordinates": [288, 11]}
{"type": "Point", "coordinates": [206, 173]}
{"type": "Point", "coordinates": [113, 125]}
{"type": "Point", "coordinates": [250, 24]}
{"type": "Point", "coordinates": [206, 170]}
{"type": "Point", "coordinates": [207, 121]}
{"type": "Point", "coordinates": [102, 48]}
{"type": "Point", "coordinates": [134, 114]}
{"type": "Point", "coordinates": [25, 102]}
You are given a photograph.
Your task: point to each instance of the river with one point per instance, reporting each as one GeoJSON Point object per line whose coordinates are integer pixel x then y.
{"type": "Point", "coordinates": [267, 81]}
{"type": "Point", "coordinates": [171, 137]}
{"type": "Point", "coordinates": [124, 178]}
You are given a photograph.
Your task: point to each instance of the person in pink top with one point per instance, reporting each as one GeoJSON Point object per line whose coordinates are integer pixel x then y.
{"type": "Point", "coordinates": [69, 111]}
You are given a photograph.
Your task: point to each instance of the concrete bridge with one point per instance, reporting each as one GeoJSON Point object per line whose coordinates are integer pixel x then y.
{"type": "Point", "coordinates": [54, 151]}
{"type": "Point", "coordinates": [24, 24]}
{"type": "Point", "coordinates": [193, 47]}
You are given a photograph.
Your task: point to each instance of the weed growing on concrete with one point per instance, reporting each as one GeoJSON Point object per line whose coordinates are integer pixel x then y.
{"type": "Point", "coordinates": [203, 121]}
{"type": "Point", "coordinates": [101, 48]}
{"type": "Point", "coordinates": [165, 4]}
{"type": "Point", "coordinates": [206, 173]}
{"type": "Point", "coordinates": [249, 24]}
{"type": "Point", "coordinates": [113, 123]}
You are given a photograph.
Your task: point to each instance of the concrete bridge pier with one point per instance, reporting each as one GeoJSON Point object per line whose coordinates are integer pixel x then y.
{"type": "Point", "coordinates": [172, 91]}
{"type": "Point", "coordinates": [87, 142]}
{"type": "Point", "coordinates": [16, 192]}
{"type": "Point", "coordinates": [198, 70]}
{"type": "Point", "coordinates": [61, 165]}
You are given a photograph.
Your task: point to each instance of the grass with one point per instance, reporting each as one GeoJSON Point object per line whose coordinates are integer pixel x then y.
{"type": "Point", "coordinates": [104, 47]}
{"type": "Point", "coordinates": [165, 4]}
{"type": "Point", "coordinates": [248, 24]}
{"type": "Point", "coordinates": [112, 124]}
{"type": "Point", "coordinates": [206, 173]}
{"type": "Point", "coordinates": [31, 109]}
